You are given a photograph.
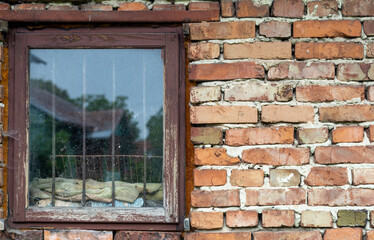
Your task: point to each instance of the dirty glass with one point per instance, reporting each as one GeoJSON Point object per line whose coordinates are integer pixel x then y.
{"type": "Point", "coordinates": [96, 127]}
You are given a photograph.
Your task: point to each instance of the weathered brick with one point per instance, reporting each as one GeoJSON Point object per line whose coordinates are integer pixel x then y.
{"type": "Point", "coordinates": [330, 28]}
{"type": "Point", "coordinates": [320, 219]}
{"type": "Point", "coordinates": [29, 6]}
{"type": "Point", "coordinates": [227, 8]}
{"type": "Point", "coordinates": [132, 6]}
{"type": "Point", "coordinates": [323, 8]}
{"type": "Point", "coordinates": [327, 176]}
{"type": "Point", "coordinates": [223, 114]}
{"type": "Point", "coordinates": [247, 8]}
{"type": "Point", "coordinates": [247, 178]}
{"type": "Point", "coordinates": [225, 71]}
{"type": "Point", "coordinates": [276, 156]}
{"type": "Point", "coordinates": [4, 6]}
{"type": "Point", "coordinates": [286, 113]}
{"type": "Point", "coordinates": [370, 50]}
{"type": "Point", "coordinates": [266, 197]}
{"type": "Point", "coordinates": [1, 177]}
{"type": "Point", "coordinates": [169, 7]}
{"type": "Point", "coordinates": [340, 197]}
{"type": "Point", "coordinates": [358, 8]}
{"type": "Point", "coordinates": [241, 218]}
{"type": "Point", "coordinates": [275, 29]}
{"type": "Point", "coordinates": [206, 135]}
{"type": "Point", "coordinates": [262, 92]}
{"type": "Point", "coordinates": [63, 8]}
{"type": "Point", "coordinates": [371, 133]}
{"type": "Point", "coordinates": [351, 218]}
{"type": "Point", "coordinates": [288, 8]}
{"type": "Point", "coordinates": [329, 93]}
{"type": "Point", "coordinates": [201, 198]}
{"type": "Point", "coordinates": [22, 234]}
{"type": "Point", "coordinates": [136, 235]}
{"type": "Point", "coordinates": [348, 134]}
{"type": "Point", "coordinates": [355, 71]}
{"type": "Point", "coordinates": [284, 177]}
{"type": "Point", "coordinates": [301, 71]}
{"type": "Point", "coordinates": [220, 198]}
{"type": "Point", "coordinates": [218, 236]}
{"type": "Point", "coordinates": [369, 27]}
{"type": "Point", "coordinates": [3, 28]}
{"type": "Point", "coordinates": [96, 7]}
{"type": "Point", "coordinates": [343, 234]}
{"type": "Point", "coordinates": [199, 51]}
{"type": "Point", "coordinates": [339, 154]}
{"type": "Point", "coordinates": [205, 94]}
{"type": "Point", "coordinates": [259, 50]}
{"type": "Point", "coordinates": [297, 235]}
{"type": "Point", "coordinates": [329, 50]}
{"type": "Point", "coordinates": [203, 6]}
{"type": "Point", "coordinates": [206, 220]}
{"type": "Point", "coordinates": [347, 113]}
{"type": "Point", "coordinates": [209, 177]}
{"type": "Point", "coordinates": [222, 30]}
{"type": "Point", "coordinates": [254, 136]}
{"type": "Point", "coordinates": [370, 93]}
{"type": "Point", "coordinates": [77, 234]}
{"type": "Point", "coordinates": [213, 156]}
{"type": "Point", "coordinates": [312, 135]}
{"type": "Point", "coordinates": [363, 176]}
{"type": "Point", "coordinates": [278, 218]}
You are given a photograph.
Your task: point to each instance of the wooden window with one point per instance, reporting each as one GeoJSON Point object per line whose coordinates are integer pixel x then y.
{"type": "Point", "coordinates": [100, 115]}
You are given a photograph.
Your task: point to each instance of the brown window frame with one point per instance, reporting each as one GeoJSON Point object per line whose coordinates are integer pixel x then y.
{"type": "Point", "coordinates": [170, 39]}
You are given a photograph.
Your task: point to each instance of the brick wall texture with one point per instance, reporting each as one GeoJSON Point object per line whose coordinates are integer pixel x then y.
{"type": "Point", "coordinates": [282, 116]}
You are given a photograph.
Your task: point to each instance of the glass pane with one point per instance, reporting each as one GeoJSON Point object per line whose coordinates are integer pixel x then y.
{"type": "Point", "coordinates": [96, 127]}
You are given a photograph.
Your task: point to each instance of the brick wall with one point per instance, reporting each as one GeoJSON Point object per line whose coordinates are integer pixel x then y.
{"type": "Point", "coordinates": [282, 120]}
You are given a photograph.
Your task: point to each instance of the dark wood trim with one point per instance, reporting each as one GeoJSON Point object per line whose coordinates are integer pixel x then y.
{"type": "Point", "coordinates": [47, 16]}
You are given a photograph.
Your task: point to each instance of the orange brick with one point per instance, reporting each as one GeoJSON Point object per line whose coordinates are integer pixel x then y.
{"type": "Point", "coordinates": [29, 6]}
{"type": "Point", "coordinates": [227, 8]}
{"type": "Point", "coordinates": [247, 8]}
{"type": "Point", "coordinates": [304, 235]}
{"type": "Point", "coordinates": [338, 154]}
{"type": "Point", "coordinates": [370, 235]}
{"type": "Point", "coordinates": [286, 8]}
{"type": "Point", "coordinates": [209, 177]}
{"type": "Point", "coordinates": [347, 113]}
{"type": "Point", "coordinates": [222, 30]}
{"type": "Point", "coordinates": [318, 93]}
{"type": "Point", "coordinates": [276, 156]}
{"type": "Point", "coordinates": [259, 50]}
{"type": "Point", "coordinates": [267, 197]}
{"type": "Point", "coordinates": [247, 178]}
{"type": "Point", "coordinates": [4, 6]}
{"type": "Point", "coordinates": [213, 156]}
{"type": "Point", "coordinates": [206, 220]}
{"type": "Point", "coordinates": [223, 114]}
{"type": "Point", "coordinates": [331, 28]}
{"type": "Point", "coordinates": [286, 113]}
{"type": "Point", "coordinates": [132, 6]}
{"type": "Point", "coordinates": [241, 218]}
{"type": "Point", "coordinates": [371, 133]}
{"type": "Point", "coordinates": [199, 51]}
{"type": "Point", "coordinates": [203, 6]}
{"type": "Point", "coordinates": [278, 218]}
{"type": "Point", "coordinates": [329, 50]}
{"type": "Point", "coordinates": [218, 236]}
{"type": "Point", "coordinates": [343, 234]}
{"type": "Point", "coordinates": [327, 176]}
{"type": "Point", "coordinates": [348, 134]}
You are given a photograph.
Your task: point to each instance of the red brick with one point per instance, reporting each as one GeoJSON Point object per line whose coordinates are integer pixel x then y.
{"type": "Point", "coordinates": [209, 177]}
{"type": "Point", "coordinates": [312, 135]}
{"type": "Point", "coordinates": [255, 91]}
{"type": "Point", "coordinates": [63, 8]}
{"type": "Point", "coordinates": [278, 218]}
{"type": "Point", "coordinates": [347, 113]}
{"type": "Point", "coordinates": [339, 154]}
{"type": "Point", "coordinates": [297, 235]}
{"type": "Point", "coordinates": [284, 178]}
{"type": "Point", "coordinates": [288, 8]}
{"type": "Point", "coordinates": [340, 197]}
{"type": "Point", "coordinates": [327, 176]}
{"type": "Point", "coordinates": [316, 219]}
{"type": "Point", "coordinates": [221, 198]}
{"type": "Point", "coordinates": [286, 113]}
{"type": "Point", "coordinates": [371, 133]}
{"type": "Point", "coordinates": [206, 135]}
{"type": "Point", "coordinates": [225, 71]}
{"type": "Point", "coordinates": [363, 176]}
{"type": "Point", "coordinates": [227, 8]}
{"type": "Point", "coordinates": [203, 6]}
{"type": "Point", "coordinates": [323, 8]}
{"type": "Point", "coordinates": [259, 50]}
{"type": "Point", "coordinates": [355, 71]}
{"type": "Point", "coordinates": [223, 114]}
{"type": "Point", "coordinates": [332, 28]}
{"type": "Point", "coordinates": [4, 6]}
{"type": "Point", "coordinates": [247, 178]}
{"type": "Point", "coordinates": [370, 50]}
{"type": "Point", "coordinates": [370, 235]}
{"type": "Point", "coordinates": [369, 27]}
{"type": "Point", "coordinates": [206, 220]}
{"type": "Point", "coordinates": [218, 236]}
{"type": "Point", "coordinates": [241, 218]}
{"type": "Point", "coordinates": [247, 8]}
{"type": "Point", "coordinates": [343, 234]}
{"type": "Point", "coordinates": [329, 93]}
{"type": "Point", "coordinates": [275, 29]}
{"type": "Point", "coordinates": [301, 71]}
{"type": "Point", "coordinates": [205, 94]}
{"type": "Point", "coordinates": [77, 234]}
{"type": "Point", "coordinates": [266, 197]}
{"type": "Point", "coordinates": [29, 6]}
{"type": "Point", "coordinates": [132, 6]}
{"type": "Point", "coordinates": [96, 7]}
{"type": "Point", "coordinates": [136, 235]}
{"type": "Point", "coordinates": [169, 7]}
{"type": "Point", "coordinates": [358, 8]}
{"type": "Point", "coordinates": [213, 156]}
{"type": "Point", "coordinates": [199, 51]}
{"type": "Point", "coordinates": [276, 156]}
{"type": "Point", "coordinates": [254, 136]}
{"type": "Point", "coordinates": [222, 30]}
{"type": "Point", "coordinates": [348, 134]}
{"type": "Point", "coordinates": [329, 50]}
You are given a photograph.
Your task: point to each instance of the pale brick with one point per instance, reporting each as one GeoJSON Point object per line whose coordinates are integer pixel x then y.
{"type": "Point", "coordinates": [312, 135]}
{"type": "Point", "coordinates": [320, 219]}
{"type": "Point", "coordinates": [340, 154]}
{"type": "Point", "coordinates": [348, 134]}
{"type": "Point", "coordinates": [278, 218]}
{"type": "Point", "coordinates": [358, 8]}
{"type": "Point", "coordinates": [267, 197]}
{"type": "Point", "coordinates": [223, 114]}
{"type": "Point", "coordinates": [284, 177]}
{"type": "Point", "coordinates": [276, 156]}
{"type": "Point", "coordinates": [96, 7]}
{"type": "Point", "coordinates": [29, 6]}
{"type": "Point", "coordinates": [275, 29]}
{"type": "Point", "coordinates": [247, 178]}
{"type": "Point", "coordinates": [77, 234]}
{"type": "Point", "coordinates": [297, 235]}
{"type": "Point", "coordinates": [259, 50]}
{"type": "Point", "coordinates": [218, 236]}
{"type": "Point", "coordinates": [241, 218]}
{"type": "Point", "coordinates": [301, 70]}
{"type": "Point", "coordinates": [213, 156]}
{"type": "Point", "coordinates": [323, 8]}
{"type": "Point", "coordinates": [370, 93]}
{"type": "Point", "coordinates": [63, 8]}
{"type": "Point", "coordinates": [370, 50]}
{"type": "Point", "coordinates": [206, 135]}
{"type": "Point", "coordinates": [200, 51]}
{"type": "Point", "coordinates": [369, 27]}
{"type": "Point", "coordinates": [209, 177]}
{"type": "Point", "coordinates": [327, 176]}
{"type": "Point", "coordinates": [206, 220]}
{"type": "Point", "coordinates": [222, 30]}
{"type": "Point", "coordinates": [363, 176]}
{"type": "Point", "coordinates": [328, 50]}
{"type": "Point", "coordinates": [286, 113]}
{"type": "Point", "coordinates": [169, 7]}
{"type": "Point", "coordinates": [205, 94]}
{"type": "Point", "coordinates": [328, 93]}
{"type": "Point", "coordinates": [355, 72]}
{"type": "Point", "coordinates": [219, 198]}
{"type": "Point", "coordinates": [340, 197]}
{"type": "Point", "coordinates": [343, 234]}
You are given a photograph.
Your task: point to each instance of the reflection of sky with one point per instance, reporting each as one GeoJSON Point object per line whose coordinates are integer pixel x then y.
{"type": "Point", "coordinates": [108, 71]}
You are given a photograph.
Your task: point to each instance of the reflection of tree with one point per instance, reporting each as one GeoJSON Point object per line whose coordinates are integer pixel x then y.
{"type": "Point", "coordinates": [156, 133]}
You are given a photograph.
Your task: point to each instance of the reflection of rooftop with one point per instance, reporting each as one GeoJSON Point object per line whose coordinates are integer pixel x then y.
{"type": "Point", "coordinates": [101, 122]}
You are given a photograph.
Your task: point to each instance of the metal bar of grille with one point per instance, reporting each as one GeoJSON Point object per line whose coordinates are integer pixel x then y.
{"type": "Point", "coordinates": [53, 134]}
{"type": "Point", "coordinates": [113, 135]}
{"type": "Point", "coordinates": [84, 136]}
